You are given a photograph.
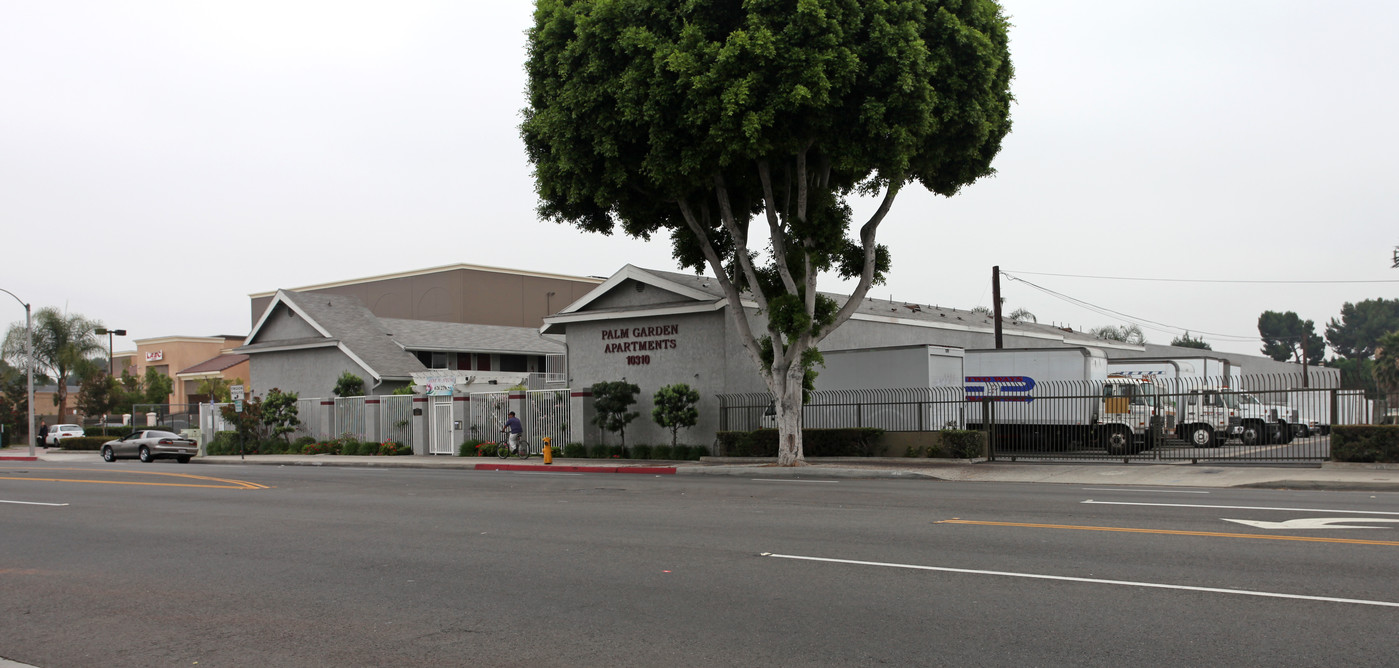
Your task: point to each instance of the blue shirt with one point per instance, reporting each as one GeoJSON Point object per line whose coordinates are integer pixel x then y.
{"type": "Point", "coordinates": [513, 426]}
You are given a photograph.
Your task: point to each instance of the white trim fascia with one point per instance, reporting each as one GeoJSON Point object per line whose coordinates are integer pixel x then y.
{"type": "Point", "coordinates": [328, 343]}
{"type": "Point", "coordinates": [178, 339]}
{"type": "Point", "coordinates": [280, 298]}
{"type": "Point", "coordinates": [345, 349]}
{"type": "Point", "coordinates": [432, 270]}
{"type": "Point", "coordinates": [487, 351]}
{"type": "Point", "coordinates": [642, 276]}
{"type": "Point", "coordinates": [587, 316]}
{"type": "Point", "coordinates": [200, 374]}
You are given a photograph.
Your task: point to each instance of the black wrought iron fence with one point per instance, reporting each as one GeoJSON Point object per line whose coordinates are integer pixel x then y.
{"type": "Point", "coordinates": [1128, 418]}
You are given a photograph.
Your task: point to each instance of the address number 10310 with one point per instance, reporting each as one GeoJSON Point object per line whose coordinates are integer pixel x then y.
{"type": "Point", "coordinates": [635, 360]}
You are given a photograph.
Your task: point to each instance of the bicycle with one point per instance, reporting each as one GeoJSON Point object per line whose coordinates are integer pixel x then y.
{"type": "Point", "coordinates": [503, 451]}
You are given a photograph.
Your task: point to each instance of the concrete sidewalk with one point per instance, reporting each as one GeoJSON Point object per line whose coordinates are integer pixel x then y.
{"type": "Point", "coordinates": [1328, 476]}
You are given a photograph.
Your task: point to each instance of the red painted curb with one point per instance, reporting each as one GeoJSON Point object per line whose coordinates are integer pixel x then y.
{"type": "Point", "coordinates": [657, 470]}
{"type": "Point", "coordinates": [18, 459]}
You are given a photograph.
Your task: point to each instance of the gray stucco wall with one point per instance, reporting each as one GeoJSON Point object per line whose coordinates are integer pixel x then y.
{"type": "Point", "coordinates": [625, 295]}
{"type": "Point", "coordinates": [309, 373]}
{"type": "Point", "coordinates": [677, 349]}
{"type": "Point", "coordinates": [284, 324]}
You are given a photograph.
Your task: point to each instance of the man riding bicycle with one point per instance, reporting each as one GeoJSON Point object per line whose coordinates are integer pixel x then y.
{"type": "Point", "coordinates": [514, 429]}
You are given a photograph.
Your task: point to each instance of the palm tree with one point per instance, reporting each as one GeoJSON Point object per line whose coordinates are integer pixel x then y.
{"type": "Point", "coordinates": [62, 344]}
{"type": "Point", "coordinates": [1386, 367]}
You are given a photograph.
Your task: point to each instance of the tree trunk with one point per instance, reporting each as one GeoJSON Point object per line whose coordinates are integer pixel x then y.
{"type": "Point", "coordinates": [789, 418]}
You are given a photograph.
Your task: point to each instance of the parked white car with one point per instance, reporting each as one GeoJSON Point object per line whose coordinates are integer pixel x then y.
{"type": "Point", "coordinates": [59, 432]}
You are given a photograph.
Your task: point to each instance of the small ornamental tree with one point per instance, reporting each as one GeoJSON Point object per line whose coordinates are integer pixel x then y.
{"type": "Point", "coordinates": [742, 130]}
{"type": "Point", "coordinates": [248, 423]}
{"type": "Point", "coordinates": [349, 385]}
{"type": "Point", "coordinates": [279, 414]}
{"type": "Point", "coordinates": [98, 394]}
{"type": "Point", "coordinates": [675, 409]}
{"type": "Point", "coordinates": [611, 401]}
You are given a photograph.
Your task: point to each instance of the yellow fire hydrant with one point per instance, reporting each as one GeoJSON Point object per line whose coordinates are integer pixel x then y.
{"type": "Point", "coordinates": [548, 451]}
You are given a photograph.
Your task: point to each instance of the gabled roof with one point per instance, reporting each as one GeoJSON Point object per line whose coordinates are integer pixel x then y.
{"type": "Point", "coordinates": [454, 336]}
{"type": "Point", "coordinates": [345, 323]}
{"type": "Point", "coordinates": [707, 295]}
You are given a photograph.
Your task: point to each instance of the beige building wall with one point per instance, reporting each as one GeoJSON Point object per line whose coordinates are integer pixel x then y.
{"type": "Point", "coordinates": [172, 354]}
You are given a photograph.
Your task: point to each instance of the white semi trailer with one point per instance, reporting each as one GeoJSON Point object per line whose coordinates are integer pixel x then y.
{"type": "Point", "coordinates": [902, 388]}
{"type": "Point", "coordinates": [1061, 396]}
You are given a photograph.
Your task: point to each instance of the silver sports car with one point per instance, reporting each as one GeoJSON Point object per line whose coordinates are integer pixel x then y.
{"type": "Point", "coordinates": [149, 445]}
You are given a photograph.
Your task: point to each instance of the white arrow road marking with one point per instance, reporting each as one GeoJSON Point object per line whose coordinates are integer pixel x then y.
{"type": "Point", "coordinates": [1313, 523]}
{"type": "Point", "coordinates": [1192, 505]}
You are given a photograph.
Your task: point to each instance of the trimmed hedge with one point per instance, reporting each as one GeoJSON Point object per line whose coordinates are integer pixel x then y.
{"type": "Point", "coordinates": [93, 443]}
{"type": "Point", "coordinates": [861, 442]}
{"type": "Point", "coordinates": [1364, 443]}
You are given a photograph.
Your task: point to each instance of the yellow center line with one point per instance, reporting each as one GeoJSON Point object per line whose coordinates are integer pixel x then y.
{"type": "Point", "coordinates": [1307, 539]}
{"type": "Point", "coordinates": [228, 484]}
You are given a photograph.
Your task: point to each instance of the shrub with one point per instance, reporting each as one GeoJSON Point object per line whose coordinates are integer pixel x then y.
{"type": "Point", "coordinates": [108, 432]}
{"type": "Point", "coordinates": [303, 442]}
{"type": "Point", "coordinates": [323, 448]}
{"type": "Point", "coordinates": [641, 452]}
{"type": "Point", "coordinates": [963, 444]}
{"type": "Point", "coordinates": [575, 451]}
{"type": "Point", "coordinates": [861, 442]}
{"type": "Point", "coordinates": [1361, 443]}
{"type": "Point", "coordinates": [469, 448]}
{"type": "Point", "coordinates": [83, 442]}
{"type": "Point", "coordinates": [663, 452]}
{"type": "Point", "coordinates": [223, 443]}
{"type": "Point", "coordinates": [391, 448]}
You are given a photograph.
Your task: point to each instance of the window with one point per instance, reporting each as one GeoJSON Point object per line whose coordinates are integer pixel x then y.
{"type": "Point", "coordinates": [514, 363]}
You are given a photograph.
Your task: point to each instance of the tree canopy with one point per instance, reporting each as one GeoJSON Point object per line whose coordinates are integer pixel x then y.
{"type": "Point", "coordinates": [1185, 341]}
{"type": "Point", "coordinates": [62, 344]}
{"type": "Point", "coordinates": [1124, 333]}
{"type": "Point", "coordinates": [1353, 336]}
{"type": "Point", "coordinates": [1283, 335]}
{"type": "Point", "coordinates": [699, 119]}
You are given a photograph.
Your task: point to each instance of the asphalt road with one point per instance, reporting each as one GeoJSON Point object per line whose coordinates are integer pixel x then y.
{"type": "Point", "coordinates": [156, 565]}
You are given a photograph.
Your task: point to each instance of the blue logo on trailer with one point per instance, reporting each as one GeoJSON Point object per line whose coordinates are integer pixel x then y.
{"type": "Point", "coordinates": [1007, 388]}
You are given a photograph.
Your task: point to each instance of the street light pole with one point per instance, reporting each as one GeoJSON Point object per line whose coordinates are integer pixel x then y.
{"type": "Point", "coordinates": [111, 368]}
{"type": "Point", "coordinates": [28, 363]}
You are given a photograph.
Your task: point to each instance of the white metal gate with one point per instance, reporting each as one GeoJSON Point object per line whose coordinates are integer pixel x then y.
{"type": "Point", "coordinates": [440, 426]}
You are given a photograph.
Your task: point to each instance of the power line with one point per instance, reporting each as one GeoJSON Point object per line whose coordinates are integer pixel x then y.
{"type": "Point", "coordinates": [1141, 322]}
{"type": "Point", "coordinates": [1197, 280]}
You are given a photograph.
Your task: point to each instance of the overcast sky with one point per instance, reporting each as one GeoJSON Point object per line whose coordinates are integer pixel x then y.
{"type": "Point", "coordinates": [159, 161]}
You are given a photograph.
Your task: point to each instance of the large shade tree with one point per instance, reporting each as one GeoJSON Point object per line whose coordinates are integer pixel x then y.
{"type": "Point", "coordinates": [62, 345]}
{"type": "Point", "coordinates": [1361, 324]}
{"type": "Point", "coordinates": [742, 130]}
{"type": "Point", "coordinates": [1287, 337]}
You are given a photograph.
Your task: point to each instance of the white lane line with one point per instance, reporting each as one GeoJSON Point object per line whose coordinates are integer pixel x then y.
{"type": "Point", "coordinates": [1144, 491]}
{"type": "Point", "coordinates": [787, 480]}
{"type": "Point", "coordinates": [33, 503]}
{"type": "Point", "coordinates": [1126, 583]}
{"type": "Point", "coordinates": [1190, 505]}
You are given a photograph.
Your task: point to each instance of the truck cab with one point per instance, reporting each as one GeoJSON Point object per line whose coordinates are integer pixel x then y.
{"type": "Point", "coordinates": [1208, 416]}
{"type": "Point", "coordinates": [1134, 414]}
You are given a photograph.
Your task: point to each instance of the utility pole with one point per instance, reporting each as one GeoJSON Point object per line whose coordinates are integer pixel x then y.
{"type": "Point", "coordinates": [1304, 358]}
{"type": "Point", "coordinates": [996, 303]}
